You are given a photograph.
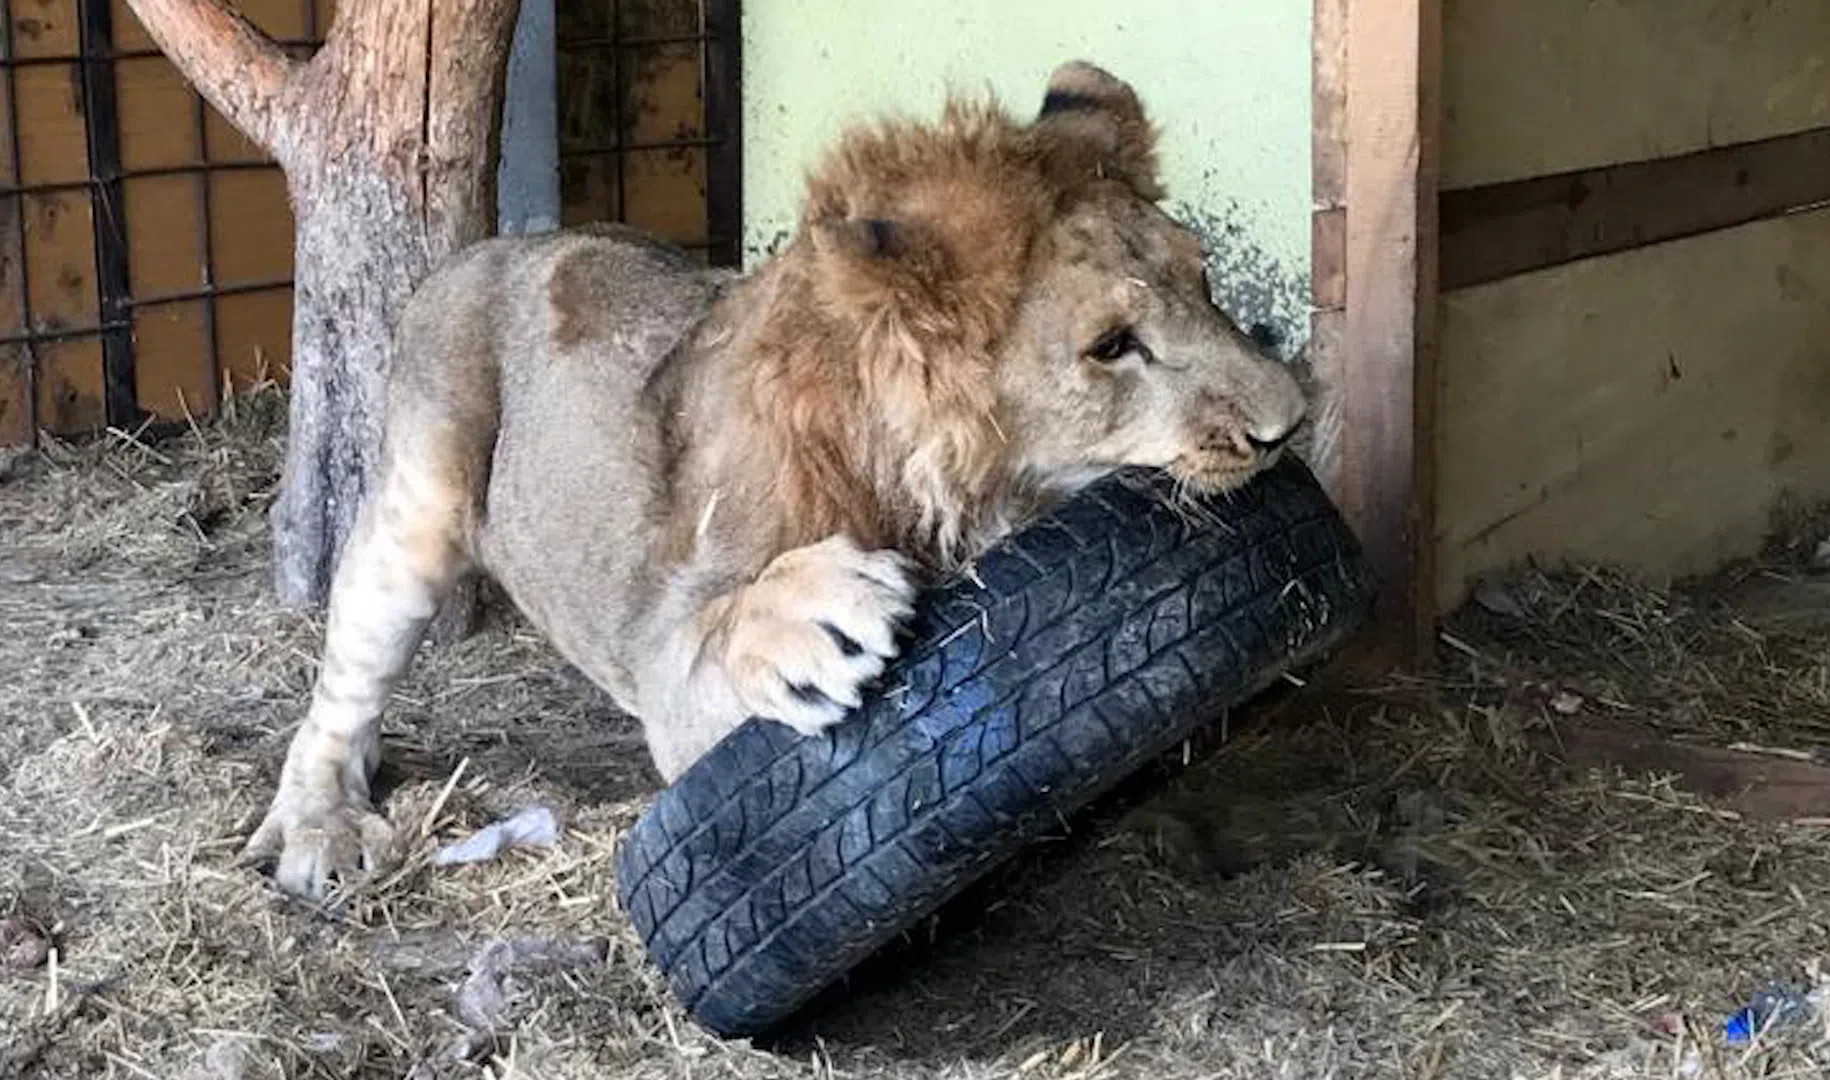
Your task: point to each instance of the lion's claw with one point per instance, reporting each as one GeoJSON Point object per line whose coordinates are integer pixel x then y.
{"type": "Point", "coordinates": [314, 845]}
{"type": "Point", "coordinates": [816, 628]}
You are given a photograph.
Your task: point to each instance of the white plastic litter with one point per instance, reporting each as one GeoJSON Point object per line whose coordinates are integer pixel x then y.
{"type": "Point", "coordinates": [492, 996]}
{"type": "Point", "coordinates": [534, 827]}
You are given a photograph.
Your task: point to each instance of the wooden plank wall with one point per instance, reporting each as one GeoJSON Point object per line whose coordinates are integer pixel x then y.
{"type": "Point", "coordinates": [1635, 340]}
{"type": "Point", "coordinates": [1646, 408]}
{"type": "Point", "coordinates": [57, 239]}
{"type": "Point", "coordinates": [246, 230]}
{"type": "Point", "coordinates": [1552, 86]}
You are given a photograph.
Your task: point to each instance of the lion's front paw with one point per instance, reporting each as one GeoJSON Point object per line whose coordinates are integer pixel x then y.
{"type": "Point", "coordinates": [315, 837]}
{"type": "Point", "coordinates": [815, 629]}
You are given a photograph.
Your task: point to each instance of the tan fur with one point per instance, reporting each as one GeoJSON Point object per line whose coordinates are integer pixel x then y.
{"type": "Point", "coordinates": [717, 495]}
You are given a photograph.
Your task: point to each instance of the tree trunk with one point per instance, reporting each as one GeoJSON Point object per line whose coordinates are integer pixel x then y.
{"type": "Point", "coordinates": [387, 138]}
{"type": "Point", "coordinates": [356, 257]}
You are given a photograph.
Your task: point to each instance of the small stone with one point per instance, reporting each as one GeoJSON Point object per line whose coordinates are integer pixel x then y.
{"type": "Point", "coordinates": [23, 946]}
{"type": "Point", "coordinates": [13, 462]}
{"type": "Point", "coordinates": [1498, 599]}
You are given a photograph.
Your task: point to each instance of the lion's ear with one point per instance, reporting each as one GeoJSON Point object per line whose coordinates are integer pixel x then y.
{"type": "Point", "coordinates": [865, 238]}
{"type": "Point", "coordinates": [1095, 125]}
{"type": "Point", "coordinates": [876, 260]}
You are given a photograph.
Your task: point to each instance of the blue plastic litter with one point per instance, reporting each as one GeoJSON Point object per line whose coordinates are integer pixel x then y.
{"type": "Point", "coordinates": [1741, 1026]}
{"type": "Point", "coordinates": [1775, 1007]}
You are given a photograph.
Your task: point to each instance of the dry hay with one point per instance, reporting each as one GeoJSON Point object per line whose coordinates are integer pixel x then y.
{"type": "Point", "coordinates": [1354, 882]}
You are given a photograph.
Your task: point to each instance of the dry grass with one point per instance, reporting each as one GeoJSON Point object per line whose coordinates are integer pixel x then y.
{"type": "Point", "coordinates": [1355, 882]}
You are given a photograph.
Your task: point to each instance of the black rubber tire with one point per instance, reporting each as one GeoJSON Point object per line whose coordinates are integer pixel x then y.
{"type": "Point", "coordinates": [1082, 647]}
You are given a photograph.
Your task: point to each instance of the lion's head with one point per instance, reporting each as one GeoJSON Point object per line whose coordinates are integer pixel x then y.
{"type": "Point", "coordinates": [983, 308]}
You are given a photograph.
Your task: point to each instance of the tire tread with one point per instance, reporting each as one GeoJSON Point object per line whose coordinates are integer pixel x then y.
{"type": "Point", "coordinates": [1009, 709]}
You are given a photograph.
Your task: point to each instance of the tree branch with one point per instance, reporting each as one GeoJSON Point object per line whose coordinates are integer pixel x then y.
{"type": "Point", "coordinates": [237, 69]}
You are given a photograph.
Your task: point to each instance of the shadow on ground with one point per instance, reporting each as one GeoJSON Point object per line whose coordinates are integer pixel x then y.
{"type": "Point", "coordinates": [1132, 917]}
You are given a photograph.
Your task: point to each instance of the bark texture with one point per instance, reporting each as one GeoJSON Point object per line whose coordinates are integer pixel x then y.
{"type": "Point", "coordinates": [387, 137]}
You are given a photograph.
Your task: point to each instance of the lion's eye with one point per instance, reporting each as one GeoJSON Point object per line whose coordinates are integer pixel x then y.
{"type": "Point", "coordinates": [1116, 344]}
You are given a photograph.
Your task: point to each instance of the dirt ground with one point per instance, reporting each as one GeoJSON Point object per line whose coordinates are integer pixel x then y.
{"type": "Point", "coordinates": [1425, 878]}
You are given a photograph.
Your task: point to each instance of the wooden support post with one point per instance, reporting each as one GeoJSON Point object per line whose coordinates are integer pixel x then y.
{"type": "Point", "coordinates": [1380, 370]}
{"type": "Point", "coordinates": [527, 175]}
{"type": "Point", "coordinates": [1328, 238]}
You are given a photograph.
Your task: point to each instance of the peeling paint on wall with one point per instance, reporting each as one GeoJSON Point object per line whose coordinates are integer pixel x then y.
{"type": "Point", "coordinates": [755, 249]}
{"type": "Point", "coordinates": [1261, 293]}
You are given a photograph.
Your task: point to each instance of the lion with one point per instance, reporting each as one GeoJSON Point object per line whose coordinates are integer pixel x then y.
{"type": "Point", "coordinates": [717, 494]}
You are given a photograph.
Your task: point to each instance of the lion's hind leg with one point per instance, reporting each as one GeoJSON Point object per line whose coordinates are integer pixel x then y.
{"type": "Point", "coordinates": [408, 549]}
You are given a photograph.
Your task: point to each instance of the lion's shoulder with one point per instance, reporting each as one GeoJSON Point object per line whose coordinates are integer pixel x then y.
{"type": "Point", "coordinates": [609, 283]}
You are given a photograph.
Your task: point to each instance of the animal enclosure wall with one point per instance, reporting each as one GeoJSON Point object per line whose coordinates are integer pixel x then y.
{"type": "Point", "coordinates": [649, 119]}
{"type": "Point", "coordinates": [1633, 360]}
{"type": "Point", "coordinates": [1228, 82]}
{"type": "Point", "coordinates": [146, 247]}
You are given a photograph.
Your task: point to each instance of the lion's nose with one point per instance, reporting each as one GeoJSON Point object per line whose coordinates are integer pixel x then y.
{"type": "Point", "coordinates": [1281, 409]}
{"type": "Point", "coordinates": [1268, 443]}
{"type": "Point", "coordinates": [1271, 433]}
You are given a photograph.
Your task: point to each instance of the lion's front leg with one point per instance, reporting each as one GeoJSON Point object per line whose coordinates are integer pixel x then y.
{"type": "Point", "coordinates": [321, 824]}
{"type": "Point", "coordinates": [797, 645]}
{"type": "Point", "coordinates": [399, 564]}
{"type": "Point", "coordinates": [800, 643]}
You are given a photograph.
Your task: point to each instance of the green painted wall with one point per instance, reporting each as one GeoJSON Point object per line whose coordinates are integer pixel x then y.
{"type": "Point", "coordinates": [1228, 82]}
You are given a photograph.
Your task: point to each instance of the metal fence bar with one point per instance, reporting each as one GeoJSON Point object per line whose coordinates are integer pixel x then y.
{"type": "Point", "coordinates": [53, 187]}
{"type": "Point", "coordinates": [26, 320]}
{"type": "Point", "coordinates": [206, 240]}
{"type": "Point", "coordinates": [618, 103]}
{"type": "Point", "coordinates": [62, 333]}
{"type": "Point", "coordinates": [67, 333]}
{"type": "Point", "coordinates": [210, 291]}
{"type": "Point", "coordinates": [592, 43]}
{"type": "Point", "coordinates": [722, 84]}
{"type": "Point", "coordinates": [102, 130]}
{"type": "Point", "coordinates": [659, 144]}
{"type": "Point", "coordinates": [111, 55]}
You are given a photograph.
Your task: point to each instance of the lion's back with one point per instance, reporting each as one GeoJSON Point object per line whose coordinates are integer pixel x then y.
{"type": "Point", "coordinates": [617, 295]}
{"type": "Point", "coordinates": [560, 332]}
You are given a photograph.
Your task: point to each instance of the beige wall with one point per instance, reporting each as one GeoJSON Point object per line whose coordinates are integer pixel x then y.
{"type": "Point", "coordinates": [1533, 87]}
{"type": "Point", "coordinates": [1649, 408]}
